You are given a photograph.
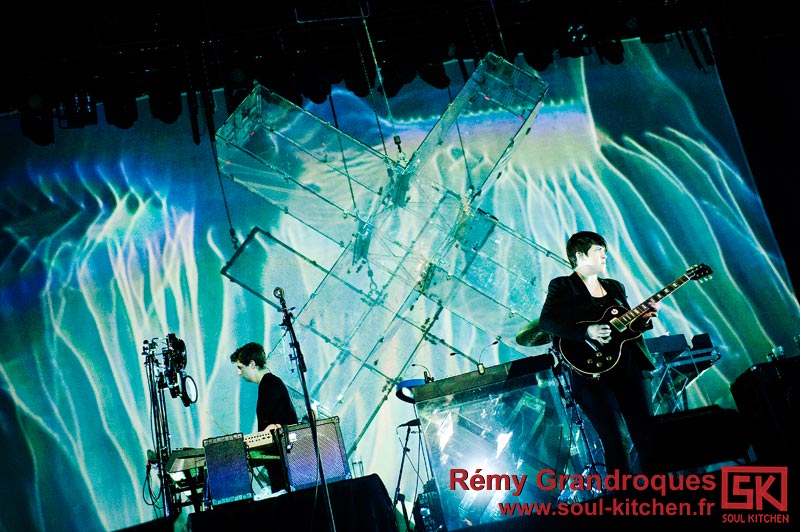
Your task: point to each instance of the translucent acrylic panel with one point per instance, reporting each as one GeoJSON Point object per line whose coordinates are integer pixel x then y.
{"type": "Point", "coordinates": [499, 264]}
{"type": "Point", "coordinates": [473, 304]}
{"type": "Point", "coordinates": [262, 263]}
{"type": "Point", "coordinates": [507, 421]}
{"type": "Point", "coordinates": [387, 259]}
{"type": "Point", "coordinates": [305, 166]}
{"type": "Point", "coordinates": [316, 173]}
{"type": "Point", "coordinates": [393, 247]}
{"type": "Point", "coordinates": [453, 156]}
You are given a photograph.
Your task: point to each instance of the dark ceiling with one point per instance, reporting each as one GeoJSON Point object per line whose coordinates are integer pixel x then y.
{"type": "Point", "coordinates": [119, 50]}
{"type": "Point", "coordinates": [62, 60]}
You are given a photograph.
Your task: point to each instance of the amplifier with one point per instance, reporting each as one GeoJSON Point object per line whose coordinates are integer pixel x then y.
{"type": "Point", "coordinates": [228, 476]}
{"type": "Point", "coordinates": [297, 448]}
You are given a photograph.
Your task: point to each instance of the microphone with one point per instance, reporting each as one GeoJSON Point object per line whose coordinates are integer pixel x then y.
{"type": "Point", "coordinates": [426, 374]}
{"type": "Point", "coordinates": [412, 423]}
{"type": "Point", "coordinates": [278, 292]}
{"type": "Point", "coordinates": [481, 368]}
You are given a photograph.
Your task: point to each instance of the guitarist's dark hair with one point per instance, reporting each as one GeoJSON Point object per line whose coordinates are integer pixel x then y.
{"type": "Point", "coordinates": [582, 241]}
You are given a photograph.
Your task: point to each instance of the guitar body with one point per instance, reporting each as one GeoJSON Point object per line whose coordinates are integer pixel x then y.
{"type": "Point", "coordinates": [591, 358]}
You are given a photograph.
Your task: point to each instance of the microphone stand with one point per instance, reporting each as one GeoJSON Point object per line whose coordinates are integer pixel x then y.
{"type": "Point", "coordinates": [312, 421]}
{"type": "Point", "coordinates": [397, 495]}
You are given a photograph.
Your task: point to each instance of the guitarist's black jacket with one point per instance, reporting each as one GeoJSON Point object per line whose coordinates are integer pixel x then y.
{"type": "Point", "coordinates": [568, 302]}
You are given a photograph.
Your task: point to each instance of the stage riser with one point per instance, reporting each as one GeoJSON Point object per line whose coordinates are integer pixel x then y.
{"type": "Point", "coordinates": [361, 504]}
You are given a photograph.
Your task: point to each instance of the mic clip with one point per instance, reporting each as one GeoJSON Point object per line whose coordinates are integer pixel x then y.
{"type": "Point", "coordinates": [425, 373]}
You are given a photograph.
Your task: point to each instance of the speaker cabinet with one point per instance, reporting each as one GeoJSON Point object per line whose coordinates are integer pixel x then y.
{"type": "Point", "coordinates": [297, 447]}
{"type": "Point", "coordinates": [228, 475]}
{"type": "Point", "coordinates": [767, 398]}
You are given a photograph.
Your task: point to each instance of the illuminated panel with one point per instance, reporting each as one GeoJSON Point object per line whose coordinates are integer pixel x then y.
{"type": "Point", "coordinates": [507, 421]}
{"type": "Point", "coordinates": [398, 233]}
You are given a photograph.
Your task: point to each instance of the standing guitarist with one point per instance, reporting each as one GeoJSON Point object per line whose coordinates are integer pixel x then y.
{"type": "Point", "coordinates": [612, 389]}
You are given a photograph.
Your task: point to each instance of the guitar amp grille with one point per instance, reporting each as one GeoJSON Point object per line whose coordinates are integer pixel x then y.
{"type": "Point", "coordinates": [297, 446]}
{"type": "Point", "coordinates": [228, 473]}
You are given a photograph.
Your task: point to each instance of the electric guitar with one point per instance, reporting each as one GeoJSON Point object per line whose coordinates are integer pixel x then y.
{"type": "Point", "coordinates": [592, 358]}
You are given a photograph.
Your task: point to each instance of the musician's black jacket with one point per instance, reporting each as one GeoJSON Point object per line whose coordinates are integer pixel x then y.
{"type": "Point", "coordinates": [568, 302]}
{"type": "Point", "coordinates": [274, 404]}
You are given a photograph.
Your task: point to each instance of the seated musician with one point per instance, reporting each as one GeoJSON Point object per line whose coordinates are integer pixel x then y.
{"type": "Point", "coordinates": [274, 407]}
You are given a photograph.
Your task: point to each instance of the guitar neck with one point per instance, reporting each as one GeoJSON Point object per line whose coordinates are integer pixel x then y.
{"type": "Point", "coordinates": [630, 316]}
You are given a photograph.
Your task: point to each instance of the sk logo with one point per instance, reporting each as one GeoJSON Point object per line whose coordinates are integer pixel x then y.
{"type": "Point", "coordinates": [755, 488]}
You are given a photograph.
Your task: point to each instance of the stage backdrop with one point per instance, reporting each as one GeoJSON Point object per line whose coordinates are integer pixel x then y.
{"type": "Point", "coordinates": [113, 237]}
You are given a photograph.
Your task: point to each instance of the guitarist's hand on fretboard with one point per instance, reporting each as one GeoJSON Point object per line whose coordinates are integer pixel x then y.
{"type": "Point", "coordinates": [647, 315]}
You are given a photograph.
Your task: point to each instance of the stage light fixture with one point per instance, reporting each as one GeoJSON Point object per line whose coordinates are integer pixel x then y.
{"type": "Point", "coordinates": [278, 74]}
{"type": "Point", "coordinates": [36, 119]}
{"type": "Point", "coordinates": [538, 58]}
{"type": "Point", "coordinates": [612, 51]}
{"type": "Point", "coordinates": [165, 104]}
{"type": "Point", "coordinates": [315, 83]}
{"type": "Point", "coordinates": [121, 108]}
{"type": "Point", "coordinates": [238, 84]}
{"type": "Point", "coordinates": [118, 94]}
{"type": "Point", "coordinates": [434, 75]}
{"type": "Point", "coordinates": [705, 48]}
{"type": "Point", "coordinates": [394, 75]}
{"type": "Point", "coordinates": [577, 41]}
{"type": "Point", "coordinates": [165, 97]}
{"type": "Point", "coordinates": [360, 80]}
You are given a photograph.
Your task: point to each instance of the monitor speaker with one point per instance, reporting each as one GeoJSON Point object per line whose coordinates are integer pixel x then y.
{"type": "Point", "coordinates": [228, 476]}
{"type": "Point", "coordinates": [767, 398]}
{"type": "Point", "coordinates": [297, 446]}
{"type": "Point", "coordinates": [694, 438]}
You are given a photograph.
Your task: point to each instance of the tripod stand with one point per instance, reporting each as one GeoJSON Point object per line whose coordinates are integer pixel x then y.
{"type": "Point", "coordinates": [562, 376]}
{"type": "Point", "coordinates": [430, 514]}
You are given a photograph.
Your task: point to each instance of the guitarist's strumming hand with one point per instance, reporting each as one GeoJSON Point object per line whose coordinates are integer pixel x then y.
{"type": "Point", "coordinates": [600, 333]}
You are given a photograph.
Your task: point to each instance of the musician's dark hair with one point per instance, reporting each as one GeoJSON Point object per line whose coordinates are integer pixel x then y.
{"type": "Point", "coordinates": [582, 241]}
{"type": "Point", "coordinates": [250, 351]}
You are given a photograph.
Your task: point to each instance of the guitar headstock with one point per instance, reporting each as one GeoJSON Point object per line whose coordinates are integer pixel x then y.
{"type": "Point", "coordinates": [699, 272]}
